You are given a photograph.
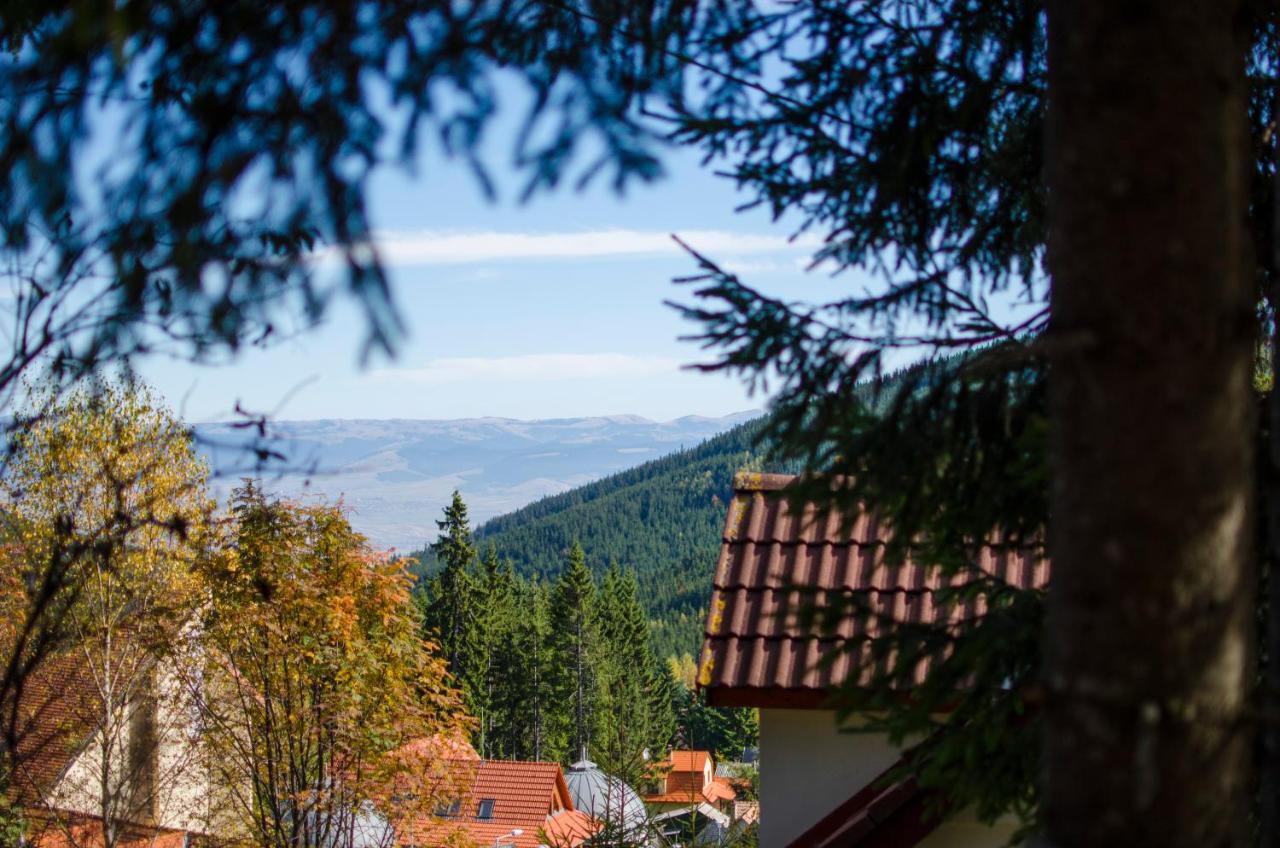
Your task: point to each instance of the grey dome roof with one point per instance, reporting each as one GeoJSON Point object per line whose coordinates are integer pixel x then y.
{"type": "Point", "coordinates": [606, 798]}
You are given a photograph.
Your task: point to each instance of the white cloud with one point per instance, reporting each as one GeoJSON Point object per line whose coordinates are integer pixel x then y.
{"type": "Point", "coordinates": [534, 367]}
{"type": "Point", "coordinates": [436, 247]}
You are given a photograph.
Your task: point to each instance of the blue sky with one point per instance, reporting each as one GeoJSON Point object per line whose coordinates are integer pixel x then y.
{"type": "Point", "coordinates": [553, 308]}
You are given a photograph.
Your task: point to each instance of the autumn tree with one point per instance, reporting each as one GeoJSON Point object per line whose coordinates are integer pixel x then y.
{"type": "Point", "coordinates": [320, 686]}
{"type": "Point", "coordinates": [111, 475]}
{"type": "Point", "coordinates": [156, 249]}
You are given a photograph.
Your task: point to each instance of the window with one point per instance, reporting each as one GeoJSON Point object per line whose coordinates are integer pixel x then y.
{"type": "Point", "coordinates": [486, 809]}
{"type": "Point", "coordinates": [448, 809]}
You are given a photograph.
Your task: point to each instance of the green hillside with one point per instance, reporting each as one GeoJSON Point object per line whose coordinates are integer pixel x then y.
{"type": "Point", "coordinates": [662, 518]}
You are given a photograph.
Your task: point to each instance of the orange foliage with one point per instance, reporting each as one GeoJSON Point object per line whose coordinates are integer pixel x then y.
{"type": "Point", "coordinates": [320, 676]}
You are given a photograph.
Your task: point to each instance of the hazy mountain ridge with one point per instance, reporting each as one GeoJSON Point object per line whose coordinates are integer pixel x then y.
{"type": "Point", "coordinates": [663, 518]}
{"type": "Point", "coordinates": [397, 474]}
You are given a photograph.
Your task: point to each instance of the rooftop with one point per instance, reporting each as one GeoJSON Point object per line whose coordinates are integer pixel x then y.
{"type": "Point", "coordinates": [688, 760]}
{"type": "Point", "coordinates": [498, 797]}
{"type": "Point", "coordinates": [778, 556]}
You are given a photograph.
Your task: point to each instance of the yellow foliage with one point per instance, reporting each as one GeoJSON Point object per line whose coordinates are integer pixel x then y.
{"type": "Point", "coordinates": [105, 483]}
{"type": "Point", "coordinates": [320, 676]}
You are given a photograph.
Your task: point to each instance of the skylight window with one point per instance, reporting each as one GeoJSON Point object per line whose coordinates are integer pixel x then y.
{"type": "Point", "coordinates": [448, 809]}
{"type": "Point", "coordinates": [486, 809]}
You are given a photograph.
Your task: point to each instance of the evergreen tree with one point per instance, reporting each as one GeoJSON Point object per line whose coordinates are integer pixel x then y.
{"type": "Point", "coordinates": [635, 710]}
{"type": "Point", "coordinates": [724, 731]}
{"type": "Point", "coordinates": [574, 640]}
{"type": "Point", "coordinates": [449, 612]}
{"type": "Point", "coordinates": [524, 697]}
{"type": "Point", "coordinates": [494, 632]}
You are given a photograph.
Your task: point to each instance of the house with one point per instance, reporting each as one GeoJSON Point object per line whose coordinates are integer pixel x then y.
{"type": "Point", "coordinates": [501, 803]}
{"type": "Point", "coordinates": [820, 786]}
{"type": "Point", "coordinates": [687, 793]}
{"type": "Point", "coordinates": [689, 778]}
{"type": "Point", "coordinates": [73, 759]}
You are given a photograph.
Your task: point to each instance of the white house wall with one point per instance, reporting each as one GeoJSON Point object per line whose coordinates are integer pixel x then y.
{"type": "Point", "coordinates": [808, 768]}
{"type": "Point", "coordinates": [182, 786]}
{"type": "Point", "coordinates": [963, 830]}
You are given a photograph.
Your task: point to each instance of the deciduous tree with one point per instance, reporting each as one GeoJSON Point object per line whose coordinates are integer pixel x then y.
{"type": "Point", "coordinates": [319, 681]}
{"type": "Point", "coordinates": [111, 474]}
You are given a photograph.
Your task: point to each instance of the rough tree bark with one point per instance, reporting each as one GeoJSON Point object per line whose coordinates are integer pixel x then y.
{"type": "Point", "coordinates": [1149, 630]}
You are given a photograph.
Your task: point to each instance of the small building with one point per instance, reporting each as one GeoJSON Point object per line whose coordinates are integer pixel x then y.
{"type": "Point", "coordinates": [502, 803]}
{"type": "Point", "coordinates": [688, 796]}
{"type": "Point", "coordinates": [60, 760]}
{"type": "Point", "coordinates": [820, 787]}
{"type": "Point", "coordinates": [689, 778]}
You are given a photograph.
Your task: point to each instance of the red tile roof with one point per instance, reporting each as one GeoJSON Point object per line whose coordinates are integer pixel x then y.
{"type": "Point", "coordinates": [531, 797]}
{"type": "Point", "coordinates": [685, 783]}
{"type": "Point", "coordinates": [75, 830]}
{"type": "Point", "coordinates": [569, 828]}
{"type": "Point", "coordinates": [712, 793]}
{"type": "Point", "coordinates": [778, 556]}
{"type": "Point", "coordinates": [688, 761]}
{"type": "Point", "coordinates": [54, 721]}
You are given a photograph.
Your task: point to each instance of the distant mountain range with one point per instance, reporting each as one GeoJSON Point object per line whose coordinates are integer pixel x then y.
{"type": "Point", "coordinates": [397, 475]}
{"type": "Point", "coordinates": [662, 518]}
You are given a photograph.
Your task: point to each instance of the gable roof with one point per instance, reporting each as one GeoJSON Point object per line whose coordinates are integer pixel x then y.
{"type": "Point", "coordinates": [713, 792]}
{"type": "Point", "coordinates": [521, 791]}
{"type": "Point", "coordinates": [684, 772]}
{"type": "Point", "coordinates": [53, 724]}
{"type": "Point", "coordinates": [692, 761]}
{"type": "Point", "coordinates": [777, 556]}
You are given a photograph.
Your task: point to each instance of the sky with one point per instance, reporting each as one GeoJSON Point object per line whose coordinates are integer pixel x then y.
{"type": "Point", "coordinates": [546, 309]}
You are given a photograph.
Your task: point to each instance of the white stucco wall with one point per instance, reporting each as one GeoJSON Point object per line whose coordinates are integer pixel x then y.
{"type": "Point", "coordinates": [182, 788]}
{"type": "Point", "coordinates": [808, 768]}
{"type": "Point", "coordinates": [963, 831]}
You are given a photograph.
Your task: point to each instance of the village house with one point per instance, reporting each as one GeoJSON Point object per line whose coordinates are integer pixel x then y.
{"type": "Point", "coordinates": [501, 804]}
{"type": "Point", "coordinates": [140, 763]}
{"type": "Point", "coordinates": [160, 793]}
{"type": "Point", "coordinates": [821, 787]}
{"type": "Point", "coordinates": [685, 785]}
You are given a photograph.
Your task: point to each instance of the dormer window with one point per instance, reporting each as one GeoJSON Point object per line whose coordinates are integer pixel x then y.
{"type": "Point", "coordinates": [486, 809]}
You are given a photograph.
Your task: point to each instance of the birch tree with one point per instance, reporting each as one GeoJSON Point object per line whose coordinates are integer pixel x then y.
{"type": "Point", "coordinates": [113, 474]}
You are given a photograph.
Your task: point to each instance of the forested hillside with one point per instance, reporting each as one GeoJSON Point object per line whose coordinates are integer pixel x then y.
{"type": "Point", "coordinates": [663, 519]}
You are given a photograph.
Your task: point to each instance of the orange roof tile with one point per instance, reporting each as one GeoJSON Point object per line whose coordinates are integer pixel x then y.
{"type": "Point", "coordinates": [76, 830]}
{"type": "Point", "coordinates": [528, 796]}
{"type": "Point", "coordinates": [54, 720]}
{"type": "Point", "coordinates": [713, 793]}
{"type": "Point", "coordinates": [689, 760]}
{"type": "Point", "coordinates": [569, 828]}
{"type": "Point", "coordinates": [778, 556]}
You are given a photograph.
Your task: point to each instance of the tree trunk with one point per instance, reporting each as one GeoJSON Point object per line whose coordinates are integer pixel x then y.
{"type": "Point", "coordinates": [1149, 631]}
{"type": "Point", "coordinates": [1269, 783]}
